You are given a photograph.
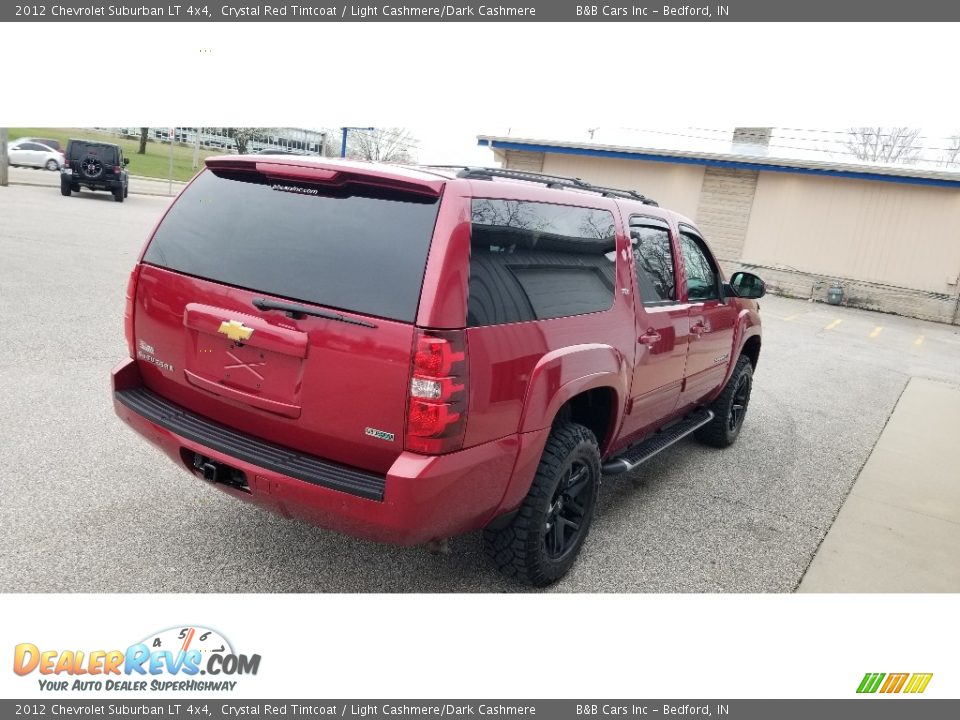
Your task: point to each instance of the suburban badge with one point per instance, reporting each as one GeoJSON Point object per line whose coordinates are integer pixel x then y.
{"type": "Point", "coordinates": [379, 434]}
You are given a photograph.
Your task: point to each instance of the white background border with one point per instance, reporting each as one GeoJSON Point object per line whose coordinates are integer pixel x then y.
{"type": "Point", "coordinates": [482, 78]}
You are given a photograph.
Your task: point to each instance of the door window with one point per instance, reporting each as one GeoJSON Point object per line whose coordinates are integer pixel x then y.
{"type": "Point", "coordinates": [699, 270]}
{"type": "Point", "coordinates": [653, 261]}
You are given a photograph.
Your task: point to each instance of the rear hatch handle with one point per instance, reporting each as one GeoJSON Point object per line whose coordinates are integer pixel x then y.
{"type": "Point", "coordinates": [298, 312]}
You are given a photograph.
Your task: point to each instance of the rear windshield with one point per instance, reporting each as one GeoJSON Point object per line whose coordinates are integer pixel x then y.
{"type": "Point", "coordinates": [106, 153]}
{"type": "Point", "coordinates": [361, 250]}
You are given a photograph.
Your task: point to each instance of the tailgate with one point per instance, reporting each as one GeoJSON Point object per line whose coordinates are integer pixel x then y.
{"type": "Point", "coordinates": [312, 384]}
{"type": "Point", "coordinates": [241, 246]}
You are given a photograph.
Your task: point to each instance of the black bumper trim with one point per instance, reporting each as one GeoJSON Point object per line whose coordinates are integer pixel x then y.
{"type": "Point", "coordinates": [233, 443]}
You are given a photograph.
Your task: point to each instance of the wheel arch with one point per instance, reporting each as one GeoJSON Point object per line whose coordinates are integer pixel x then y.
{"type": "Point", "coordinates": [598, 372]}
{"type": "Point", "coordinates": [751, 348]}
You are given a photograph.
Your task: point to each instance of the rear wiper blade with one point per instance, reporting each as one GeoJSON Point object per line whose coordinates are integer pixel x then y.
{"type": "Point", "coordinates": [298, 312]}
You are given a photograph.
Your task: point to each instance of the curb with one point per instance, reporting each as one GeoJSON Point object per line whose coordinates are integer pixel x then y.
{"type": "Point", "coordinates": [132, 191]}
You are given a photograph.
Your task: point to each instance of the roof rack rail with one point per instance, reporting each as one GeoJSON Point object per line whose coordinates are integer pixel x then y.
{"type": "Point", "coordinates": [552, 181]}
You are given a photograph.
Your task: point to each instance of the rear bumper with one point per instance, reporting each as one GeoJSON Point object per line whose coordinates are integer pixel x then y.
{"type": "Point", "coordinates": [68, 177]}
{"type": "Point", "coordinates": [421, 497]}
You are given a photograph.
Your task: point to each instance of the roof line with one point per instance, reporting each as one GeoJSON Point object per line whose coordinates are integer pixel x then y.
{"type": "Point", "coordinates": [739, 162]}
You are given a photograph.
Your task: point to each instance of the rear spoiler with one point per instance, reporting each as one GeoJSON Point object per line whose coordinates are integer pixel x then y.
{"type": "Point", "coordinates": [332, 173]}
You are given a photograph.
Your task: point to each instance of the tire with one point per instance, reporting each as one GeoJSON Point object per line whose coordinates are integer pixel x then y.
{"type": "Point", "coordinates": [118, 194]}
{"type": "Point", "coordinates": [90, 168]}
{"type": "Point", "coordinates": [730, 408]}
{"type": "Point", "coordinates": [126, 191]}
{"type": "Point", "coordinates": [65, 190]}
{"type": "Point", "coordinates": [52, 164]}
{"type": "Point", "coordinates": [543, 539]}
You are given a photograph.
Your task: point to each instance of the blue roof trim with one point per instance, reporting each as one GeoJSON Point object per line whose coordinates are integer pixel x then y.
{"type": "Point", "coordinates": [708, 162]}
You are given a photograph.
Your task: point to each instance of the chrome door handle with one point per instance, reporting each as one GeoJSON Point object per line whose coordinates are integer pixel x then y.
{"type": "Point", "coordinates": [650, 337]}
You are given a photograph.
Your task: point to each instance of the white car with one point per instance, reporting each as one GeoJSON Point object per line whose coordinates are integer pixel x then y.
{"type": "Point", "coordinates": [33, 154]}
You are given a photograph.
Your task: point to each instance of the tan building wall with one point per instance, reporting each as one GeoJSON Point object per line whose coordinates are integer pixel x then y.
{"type": "Point", "coordinates": [726, 202]}
{"type": "Point", "coordinates": [673, 186]}
{"type": "Point", "coordinates": [905, 235]}
{"type": "Point", "coordinates": [523, 160]}
{"type": "Point", "coordinates": [892, 247]}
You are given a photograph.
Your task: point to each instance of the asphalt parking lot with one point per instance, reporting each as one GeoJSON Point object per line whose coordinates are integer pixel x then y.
{"type": "Point", "coordinates": [89, 506]}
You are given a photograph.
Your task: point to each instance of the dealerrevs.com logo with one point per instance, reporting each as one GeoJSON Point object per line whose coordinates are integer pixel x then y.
{"type": "Point", "coordinates": [172, 659]}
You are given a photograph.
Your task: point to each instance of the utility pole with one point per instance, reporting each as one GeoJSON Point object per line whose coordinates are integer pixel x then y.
{"type": "Point", "coordinates": [170, 167]}
{"type": "Point", "coordinates": [4, 164]}
{"type": "Point", "coordinates": [196, 149]}
{"type": "Point", "coordinates": [345, 130]}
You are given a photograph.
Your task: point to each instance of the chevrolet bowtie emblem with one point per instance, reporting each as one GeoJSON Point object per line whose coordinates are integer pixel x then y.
{"type": "Point", "coordinates": [235, 330]}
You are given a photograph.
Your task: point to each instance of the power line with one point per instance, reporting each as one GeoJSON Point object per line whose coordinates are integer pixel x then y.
{"type": "Point", "coordinates": [847, 133]}
{"type": "Point", "coordinates": [777, 145]}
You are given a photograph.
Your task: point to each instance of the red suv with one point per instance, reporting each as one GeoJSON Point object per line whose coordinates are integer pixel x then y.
{"type": "Point", "coordinates": [408, 354]}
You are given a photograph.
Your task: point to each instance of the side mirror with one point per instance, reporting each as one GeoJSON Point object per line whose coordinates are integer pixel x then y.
{"type": "Point", "coordinates": [126, 161]}
{"type": "Point", "coordinates": [747, 285]}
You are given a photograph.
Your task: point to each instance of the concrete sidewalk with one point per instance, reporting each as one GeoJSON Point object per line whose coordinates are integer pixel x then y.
{"type": "Point", "coordinates": [899, 529]}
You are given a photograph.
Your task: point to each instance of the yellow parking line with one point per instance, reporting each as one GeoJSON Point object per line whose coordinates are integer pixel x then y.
{"type": "Point", "coordinates": [790, 318]}
{"type": "Point", "coordinates": [876, 331]}
{"type": "Point", "coordinates": [832, 325]}
{"type": "Point", "coordinates": [918, 341]}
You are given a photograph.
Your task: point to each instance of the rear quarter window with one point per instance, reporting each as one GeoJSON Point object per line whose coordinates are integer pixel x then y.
{"type": "Point", "coordinates": [362, 250]}
{"type": "Point", "coordinates": [534, 261]}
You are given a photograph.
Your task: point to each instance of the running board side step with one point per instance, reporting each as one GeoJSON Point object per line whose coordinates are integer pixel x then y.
{"type": "Point", "coordinates": [660, 440]}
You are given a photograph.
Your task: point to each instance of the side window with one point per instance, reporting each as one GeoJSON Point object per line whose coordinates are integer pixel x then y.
{"type": "Point", "coordinates": [534, 261]}
{"type": "Point", "coordinates": [699, 271]}
{"type": "Point", "coordinates": [653, 261]}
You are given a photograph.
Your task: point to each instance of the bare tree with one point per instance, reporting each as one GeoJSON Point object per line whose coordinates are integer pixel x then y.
{"type": "Point", "coordinates": [951, 155]}
{"type": "Point", "coordinates": [143, 141]}
{"type": "Point", "coordinates": [382, 145]}
{"type": "Point", "coordinates": [886, 145]}
{"type": "Point", "coordinates": [243, 136]}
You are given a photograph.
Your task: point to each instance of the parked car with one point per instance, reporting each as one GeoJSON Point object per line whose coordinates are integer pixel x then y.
{"type": "Point", "coordinates": [409, 354]}
{"type": "Point", "coordinates": [95, 166]}
{"type": "Point", "coordinates": [49, 142]}
{"type": "Point", "coordinates": [28, 153]}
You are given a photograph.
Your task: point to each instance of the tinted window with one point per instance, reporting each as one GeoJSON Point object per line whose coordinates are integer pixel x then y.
{"type": "Point", "coordinates": [364, 250]}
{"type": "Point", "coordinates": [653, 261]}
{"type": "Point", "coordinates": [533, 261]}
{"type": "Point", "coordinates": [698, 269]}
{"type": "Point", "coordinates": [105, 153]}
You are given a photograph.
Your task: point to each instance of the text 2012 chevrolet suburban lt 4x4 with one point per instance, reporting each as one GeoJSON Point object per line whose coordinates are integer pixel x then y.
{"type": "Point", "coordinates": [408, 354]}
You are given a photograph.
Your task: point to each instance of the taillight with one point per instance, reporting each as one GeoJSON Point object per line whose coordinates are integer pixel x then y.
{"type": "Point", "coordinates": [129, 310]}
{"type": "Point", "coordinates": [116, 169]}
{"type": "Point", "coordinates": [437, 409]}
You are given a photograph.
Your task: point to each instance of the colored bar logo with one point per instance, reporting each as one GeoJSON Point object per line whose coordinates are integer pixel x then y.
{"type": "Point", "coordinates": [894, 683]}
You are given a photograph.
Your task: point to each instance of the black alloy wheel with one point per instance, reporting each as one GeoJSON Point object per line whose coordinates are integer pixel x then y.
{"type": "Point", "coordinates": [568, 507]}
{"type": "Point", "coordinates": [738, 408]}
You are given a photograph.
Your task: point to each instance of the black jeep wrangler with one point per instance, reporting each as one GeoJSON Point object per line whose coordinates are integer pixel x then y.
{"type": "Point", "coordinates": [95, 166]}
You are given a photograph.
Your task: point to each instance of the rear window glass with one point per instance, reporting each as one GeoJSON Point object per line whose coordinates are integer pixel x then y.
{"type": "Point", "coordinates": [106, 153]}
{"type": "Point", "coordinates": [359, 250]}
{"type": "Point", "coordinates": [534, 261]}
